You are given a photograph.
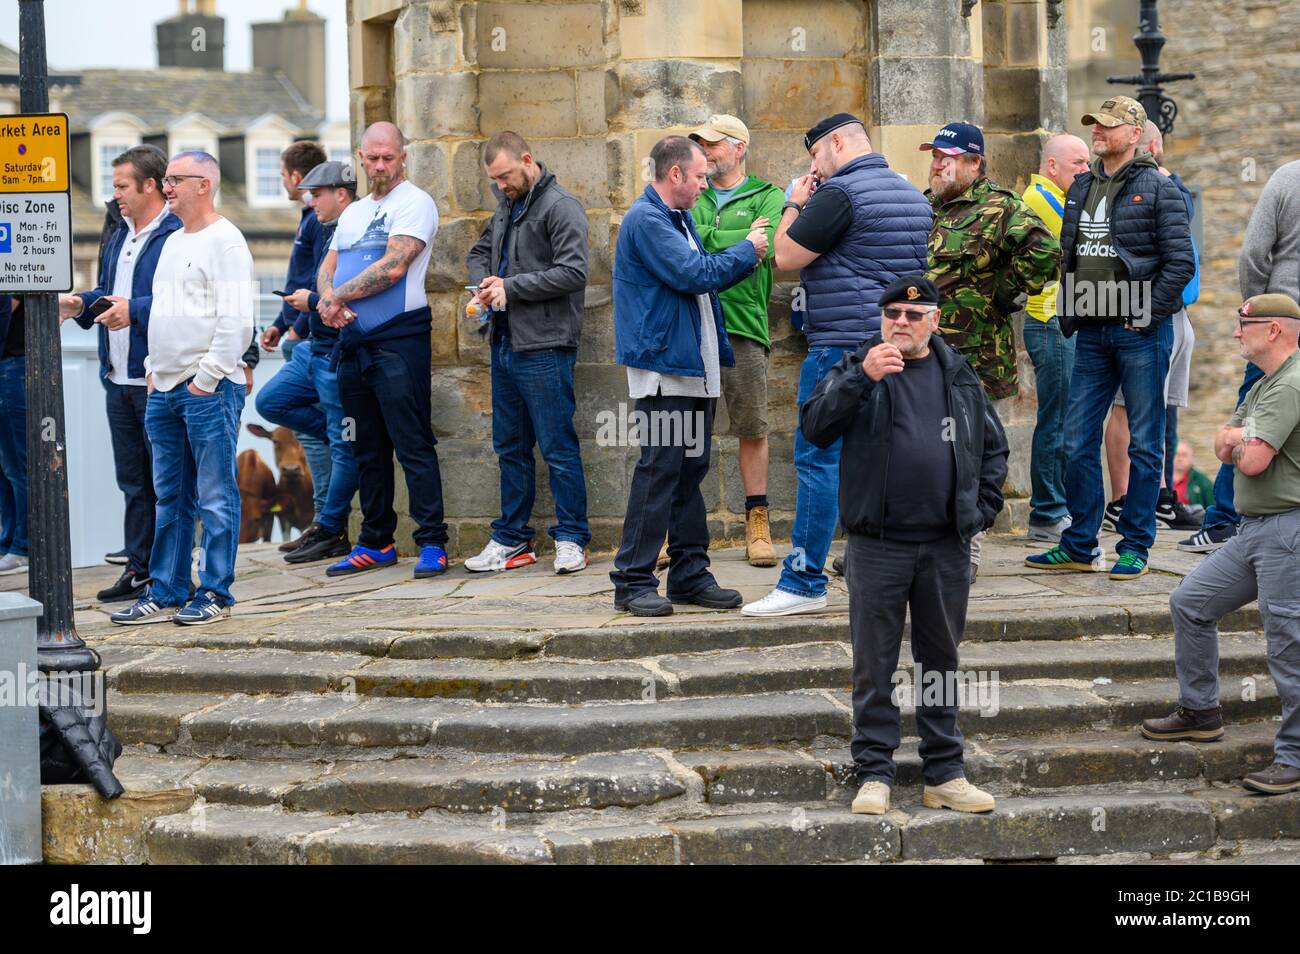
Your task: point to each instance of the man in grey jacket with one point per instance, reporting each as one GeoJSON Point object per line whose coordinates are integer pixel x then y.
{"type": "Point", "coordinates": [530, 268]}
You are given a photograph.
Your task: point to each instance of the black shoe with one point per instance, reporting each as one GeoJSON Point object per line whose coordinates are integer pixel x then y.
{"type": "Point", "coordinates": [129, 586]}
{"type": "Point", "coordinates": [712, 597]}
{"type": "Point", "coordinates": [307, 536]}
{"type": "Point", "coordinates": [837, 566]}
{"type": "Point", "coordinates": [1186, 725]}
{"type": "Point", "coordinates": [325, 546]}
{"type": "Point", "coordinates": [118, 558]}
{"type": "Point", "coordinates": [1172, 515]}
{"type": "Point", "coordinates": [648, 603]}
{"type": "Point", "coordinates": [1110, 518]}
{"type": "Point", "coordinates": [1209, 539]}
{"type": "Point", "coordinates": [1277, 779]}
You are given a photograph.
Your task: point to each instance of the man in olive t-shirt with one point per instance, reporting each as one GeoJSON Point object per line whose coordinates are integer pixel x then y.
{"type": "Point", "coordinates": [1262, 440]}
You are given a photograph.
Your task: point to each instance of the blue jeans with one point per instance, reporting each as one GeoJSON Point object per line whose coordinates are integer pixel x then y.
{"type": "Point", "coordinates": [316, 449]}
{"type": "Point", "coordinates": [1222, 510]}
{"type": "Point", "coordinates": [304, 396]}
{"type": "Point", "coordinates": [13, 456]}
{"type": "Point", "coordinates": [193, 441]}
{"type": "Point", "coordinates": [1053, 356]}
{"type": "Point", "coordinates": [1108, 357]}
{"type": "Point", "coordinates": [533, 403]}
{"type": "Point", "coordinates": [817, 499]}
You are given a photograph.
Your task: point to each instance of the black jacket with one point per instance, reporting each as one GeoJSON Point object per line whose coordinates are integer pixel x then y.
{"type": "Point", "coordinates": [546, 277]}
{"type": "Point", "coordinates": [848, 404]}
{"type": "Point", "coordinates": [1150, 229]}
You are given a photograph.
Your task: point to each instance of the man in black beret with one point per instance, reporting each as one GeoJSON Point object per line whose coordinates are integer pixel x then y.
{"type": "Point", "coordinates": [921, 473]}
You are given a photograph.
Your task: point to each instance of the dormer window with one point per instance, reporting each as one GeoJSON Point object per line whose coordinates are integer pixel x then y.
{"type": "Point", "coordinates": [108, 151]}
{"type": "Point", "coordinates": [267, 185]}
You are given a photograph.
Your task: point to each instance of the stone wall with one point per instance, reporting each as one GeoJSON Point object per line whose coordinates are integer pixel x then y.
{"type": "Point", "coordinates": [593, 85]}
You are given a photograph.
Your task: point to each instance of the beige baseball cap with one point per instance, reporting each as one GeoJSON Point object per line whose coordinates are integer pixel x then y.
{"type": "Point", "coordinates": [721, 126]}
{"type": "Point", "coordinates": [1117, 111]}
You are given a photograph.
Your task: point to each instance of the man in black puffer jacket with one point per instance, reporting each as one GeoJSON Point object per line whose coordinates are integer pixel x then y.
{"type": "Point", "coordinates": [921, 473]}
{"type": "Point", "coordinates": [1126, 253]}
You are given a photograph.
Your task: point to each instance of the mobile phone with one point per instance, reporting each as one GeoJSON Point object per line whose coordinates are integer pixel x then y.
{"type": "Point", "coordinates": [100, 306]}
{"type": "Point", "coordinates": [471, 288]}
{"type": "Point", "coordinates": [282, 294]}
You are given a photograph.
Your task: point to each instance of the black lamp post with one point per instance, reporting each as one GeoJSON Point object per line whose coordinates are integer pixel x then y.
{"type": "Point", "coordinates": [1161, 110]}
{"type": "Point", "coordinates": [58, 646]}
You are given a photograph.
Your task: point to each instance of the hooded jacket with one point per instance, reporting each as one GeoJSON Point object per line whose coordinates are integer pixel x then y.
{"type": "Point", "coordinates": [847, 404]}
{"type": "Point", "coordinates": [1149, 228]}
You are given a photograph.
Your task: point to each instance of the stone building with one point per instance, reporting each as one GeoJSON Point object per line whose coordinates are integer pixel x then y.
{"type": "Point", "coordinates": [594, 83]}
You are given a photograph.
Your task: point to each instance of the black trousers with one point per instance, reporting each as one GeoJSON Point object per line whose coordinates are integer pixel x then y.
{"type": "Point", "coordinates": [885, 579]}
{"type": "Point", "coordinates": [389, 403]}
{"type": "Point", "coordinates": [665, 498]}
{"type": "Point", "coordinates": [131, 460]}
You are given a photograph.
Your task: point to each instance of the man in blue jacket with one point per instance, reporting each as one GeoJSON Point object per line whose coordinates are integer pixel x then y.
{"type": "Point", "coordinates": [853, 226]}
{"type": "Point", "coordinates": [126, 279]}
{"type": "Point", "coordinates": [669, 334]}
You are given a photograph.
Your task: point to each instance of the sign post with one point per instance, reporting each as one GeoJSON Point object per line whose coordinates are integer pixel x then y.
{"type": "Point", "coordinates": [34, 199]}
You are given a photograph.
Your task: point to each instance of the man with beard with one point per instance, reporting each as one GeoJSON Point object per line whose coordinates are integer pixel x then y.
{"type": "Point", "coordinates": [988, 252]}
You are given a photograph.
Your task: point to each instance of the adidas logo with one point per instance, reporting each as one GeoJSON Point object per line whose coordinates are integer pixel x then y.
{"type": "Point", "coordinates": [1097, 225]}
{"type": "Point", "coordinates": [1095, 249]}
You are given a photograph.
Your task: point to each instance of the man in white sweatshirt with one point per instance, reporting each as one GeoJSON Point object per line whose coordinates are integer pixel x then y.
{"type": "Point", "coordinates": [200, 324]}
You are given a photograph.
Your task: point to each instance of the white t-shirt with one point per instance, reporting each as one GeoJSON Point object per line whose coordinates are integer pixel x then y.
{"type": "Point", "coordinates": [364, 230]}
{"type": "Point", "coordinates": [119, 341]}
{"type": "Point", "coordinates": [201, 321]}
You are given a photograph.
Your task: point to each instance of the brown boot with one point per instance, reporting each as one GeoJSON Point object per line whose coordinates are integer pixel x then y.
{"type": "Point", "coordinates": [758, 539]}
{"type": "Point", "coordinates": [662, 561]}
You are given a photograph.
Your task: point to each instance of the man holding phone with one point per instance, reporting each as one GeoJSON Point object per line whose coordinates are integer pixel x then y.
{"type": "Point", "coordinates": [120, 307]}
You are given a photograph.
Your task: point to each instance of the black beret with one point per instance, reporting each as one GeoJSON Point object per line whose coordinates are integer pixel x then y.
{"type": "Point", "coordinates": [912, 289]}
{"type": "Point", "coordinates": [827, 125]}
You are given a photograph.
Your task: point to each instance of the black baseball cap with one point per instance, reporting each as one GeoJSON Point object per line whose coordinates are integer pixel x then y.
{"type": "Point", "coordinates": [827, 125]}
{"type": "Point", "coordinates": [910, 289]}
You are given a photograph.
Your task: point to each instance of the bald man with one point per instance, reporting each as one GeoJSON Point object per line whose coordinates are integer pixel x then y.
{"type": "Point", "coordinates": [1064, 157]}
{"type": "Point", "coordinates": [371, 287]}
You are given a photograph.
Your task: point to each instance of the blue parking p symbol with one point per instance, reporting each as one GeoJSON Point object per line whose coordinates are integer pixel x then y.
{"type": "Point", "coordinates": [6, 238]}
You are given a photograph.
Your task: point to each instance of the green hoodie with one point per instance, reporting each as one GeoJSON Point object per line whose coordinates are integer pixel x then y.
{"type": "Point", "coordinates": [1096, 259]}
{"type": "Point", "coordinates": [744, 305]}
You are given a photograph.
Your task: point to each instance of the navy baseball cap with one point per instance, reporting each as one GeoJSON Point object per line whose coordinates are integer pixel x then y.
{"type": "Point", "coordinates": [956, 138]}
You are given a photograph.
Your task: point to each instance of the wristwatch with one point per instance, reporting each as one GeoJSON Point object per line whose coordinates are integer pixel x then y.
{"type": "Point", "coordinates": [791, 205]}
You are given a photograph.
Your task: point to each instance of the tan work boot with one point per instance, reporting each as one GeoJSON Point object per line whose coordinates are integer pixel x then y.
{"type": "Point", "coordinates": [959, 795]}
{"type": "Point", "coordinates": [662, 560]}
{"type": "Point", "coordinates": [758, 539]}
{"type": "Point", "coordinates": [872, 799]}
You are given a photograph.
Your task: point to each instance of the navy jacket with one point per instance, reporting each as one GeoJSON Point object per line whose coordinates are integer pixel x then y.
{"type": "Point", "coordinates": [308, 323]}
{"type": "Point", "coordinates": [887, 238]}
{"type": "Point", "coordinates": [302, 273]}
{"type": "Point", "coordinates": [657, 277]}
{"type": "Point", "coordinates": [141, 293]}
{"type": "Point", "coordinates": [1150, 229]}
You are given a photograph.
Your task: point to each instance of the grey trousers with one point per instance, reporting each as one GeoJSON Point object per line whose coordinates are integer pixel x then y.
{"type": "Point", "coordinates": [1262, 560]}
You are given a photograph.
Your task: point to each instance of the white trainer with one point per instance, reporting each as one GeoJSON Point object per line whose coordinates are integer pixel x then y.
{"type": "Point", "coordinates": [569, 557]}
{"type": "Point", "coordinates": [872, 799]}
{"type": "Point", "coordinates": [12, 563]}
{"type": "Point", "coordinates": [498, 556]}
{"type": "Point", "coordinates": [781, 603]}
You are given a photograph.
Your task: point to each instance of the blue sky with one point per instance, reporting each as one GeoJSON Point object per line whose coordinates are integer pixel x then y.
{"type": "Point", "coordinates": [123, 35]}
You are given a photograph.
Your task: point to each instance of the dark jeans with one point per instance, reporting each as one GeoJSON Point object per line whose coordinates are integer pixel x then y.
{"type": "Point", "coordinates": [665, 498]}
{"type": "Point", "coordinates": [126, 406]}
{"type": "Point", "coordinates": [1108, 357]}
{"type": "Point", "coordinates": [1053, 356]}
{"type": "Point", "coordinates": [533, 404]}
{"type": "Point", "coordinates": [1171, 444]}
{"type": "Point", "coordinates": [315, 446]}
{"type": "Point", "coordinates": [13, 456]}
{"type": "Point", "coordinates": [885, 579]}
{"type": "Point", "coordinates": [1222, 511]}
{"type": "Point", "coordinates": [389, 403]}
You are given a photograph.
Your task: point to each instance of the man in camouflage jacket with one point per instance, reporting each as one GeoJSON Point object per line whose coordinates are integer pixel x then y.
{"type": "Point", "coordinates": [987, 249]}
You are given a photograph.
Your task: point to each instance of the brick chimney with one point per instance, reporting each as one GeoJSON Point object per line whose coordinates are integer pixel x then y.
{"type": "Point", "coordinates": [195, 37]}
{"type": "Point", "coordinates": [296, 46]}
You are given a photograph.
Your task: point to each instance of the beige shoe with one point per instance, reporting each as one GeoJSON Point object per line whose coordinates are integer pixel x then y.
{"type": "Point", "coordinates": [872, 799]}
{"type": "Point", "coordinates": [959, 795]}
{"type": "Point", "coordinates": [662, 561]}
{"type": "Point", "coordinates": [758, 539]}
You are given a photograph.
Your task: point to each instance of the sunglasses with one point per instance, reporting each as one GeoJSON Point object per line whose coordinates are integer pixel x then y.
{"type": "Point", "coordinates": [893, 314]}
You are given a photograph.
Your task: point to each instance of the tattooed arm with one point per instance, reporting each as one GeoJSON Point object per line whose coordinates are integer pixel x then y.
{"type": "Point", "coordinates": [328, 307]}
{"type": "Point", "coordinates": [383, 274]}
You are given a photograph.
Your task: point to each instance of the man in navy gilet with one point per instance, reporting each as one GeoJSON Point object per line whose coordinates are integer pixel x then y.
{"type": "Point", "coordinates": [852, 226]}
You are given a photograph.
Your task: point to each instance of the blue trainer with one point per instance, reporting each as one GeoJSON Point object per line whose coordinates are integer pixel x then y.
{"type": "Point", "coordinates": [433, 561]}
{"type": "Point", "coordinates": [362, 559]}
{"type": "Point", "coordinates": [204, 608]}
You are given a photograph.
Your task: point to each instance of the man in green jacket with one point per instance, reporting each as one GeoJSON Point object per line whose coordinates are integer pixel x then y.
{"type": "Point", "coordinates": [733, 204]}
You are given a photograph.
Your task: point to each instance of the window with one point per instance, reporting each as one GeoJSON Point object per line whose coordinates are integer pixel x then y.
{"type": "Point", "coordinates": [267, 185]}
{"type": "Point", "coordinates": [108, 151]}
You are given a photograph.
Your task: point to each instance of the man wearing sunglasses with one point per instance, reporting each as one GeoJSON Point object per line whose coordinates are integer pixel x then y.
{"type": "Point", "coordinates": [1262, 441]}
{"type": "Point", "coordinates": [921, 471]}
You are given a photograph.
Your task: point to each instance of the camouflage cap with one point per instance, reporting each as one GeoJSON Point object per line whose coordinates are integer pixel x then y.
{"type": "Point", "coordinates": [1117, 111]}
{"type": "Point", "coordinates": [1274, 305]}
